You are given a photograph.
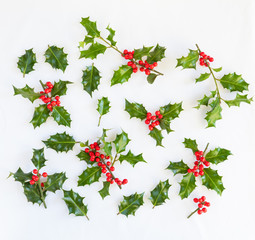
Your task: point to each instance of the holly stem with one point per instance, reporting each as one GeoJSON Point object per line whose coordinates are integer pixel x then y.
{"type": "Point", "coordinates": [206, 148]}
{"type": "Point", "coordinates": [41, 192]}
{"type": "Point", "coordinates": [99, 120]}
{"type": "Point", "coordinates": [42, 84]}
{"type": "Point", "coordinates": [193, 213]}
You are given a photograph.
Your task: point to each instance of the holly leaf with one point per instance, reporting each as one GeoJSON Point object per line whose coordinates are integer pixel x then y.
{"type": "Point", "coordinates": [165, 124]}
{"type": "Point", "coordinates": [88, 40]}
{"type": "Point", "coordinates": [38, 158]}
{"type": "Point", "coordinates": [136, 110]}
{"type": "Point", "coordinates": [171, 111]}
{"type": "Point", "coordinates": [111, 36]}
{"type": "Point", "coordinates": [91, 27]}
{"type": "Point", "coordinates": [27, 61]}
{"type": "Point", "coordinates": [156, 54]}
{"type": "Point", "coordinates": [239, 98]}
{"type": "Point", "coordinates": [55, 182]}
{"type": "Point", "coordinates": [90, 79]}
{"type": "Point", "coordinates": [83, 156]}
{"type": "Point", "coordinates": [156, 134]}
{"type": "Point", "coordinates": [40, 116]}
{"type": "Point", "coordinates": [56, 57]}
{"type": "Point", "coordinates": [217, 155]}
{"type": "Point", "coordinates": [104, 192]}
{"type": "Point", "coordinates": [121, 75]}
{"type": "Point", "coordinates": [160, 193]}
{"type": "Point", "coordinates": [103, 106]}
{"type": "Point", "coordinates": [22, 177]}
{"type": "Point", "coordinates": [203, 77]}
{"type": "Point", "coordinates": [27, 92]}
{"type": "Point", "coordinates": [212, 180]}
{"type": "Point", "coordinates": [121, 142]}
{"type": "Point", "coordinates": [141, 52]}
{"type": "Point", "coordinates": [205, 100]}
{"type": "Point", "coordinates": [107, 148]}
{"type": "Point", "coordinates": [60, 142]}
{"type": "Point", "coordinates": [217, 69]}
{"type": "Point", "coordinates": [75, 204]}
{"type": "Point", "coordinates": [89, 176]}
{"type": "Point", "coordinates": [32, 193]}
{"type": "Point", "coordinates": [190, 61]}
{"type": "Point", "coordinates": [151, 78]}
{"type": "Point", "coordinates": [234, 82]}
{"type": "Point", "coordinates": [130, 204]}
{"type": "Point", "coordinates": [94, 50]}
{"type": "Point", "coordinates": [131, 158]}
{"type": "Point", "coordinates": [191, 144]}
{"type": "Point", "coordinates": [59, 88]}
{"type": "Point", "coordinates": [61, 116]}
{"type": "Point", "coordinates": [215, 114]}
{"type": "Point", "coordinates": [187, 184]}
{"type": "Point", "coordinates": [178, 167]}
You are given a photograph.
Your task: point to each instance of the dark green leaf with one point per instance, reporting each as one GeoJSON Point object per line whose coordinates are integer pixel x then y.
{"type": "Point", "coordinates": [131, 158]}
{"type": "Point", "coordinates": [171, 111]}
{"type": "Point", "coordinates": [151, 78]}
{"type": "Point", "coordinates": [156, 134]}
{"type": "Point", "coordinates": [215, 114]}
{"type": "Point", "coordinates": [40, 116]}
{"type": "Point", "coordinates": [89, 176]}
{"type": "Point", "coordinates": [83, 156]}
{"type": "Point", "coordinates": [192, 144]}
{"type": "Point", "coordinates": [217, 69]}
{"type": "Point", "coordinates": [59, 88]}
{"type": "Point", "coordinates": [94, 50]}
{"type": "Point", "coordinates": [234, 82]}
{"type": "Point", "coordinates": [156, 54]}
{"type": "Point", "coordinates": [190, 61]}
{"type": "Point", "coordinates": [55, 182]}
{"type": "Point", "coordinates": [111, 36]}
{"type": "Point", "coordinates": [203, 77]}
{"type": "Point", "coordinates": [104, 192]}
{"type": "Point", "coordinates": [103, 106]}
{"type": "Point", "coordinates": [91, 27]}
{"type": "Point", "coordinates": [32, 193]}
{"type": "Point", "coordinates": [187, 184]}
{"type": "Point", "coordinates": [135, 110]}
{"type": "Point", "coordinates": [38, 158]}
{"type": "Point", "coordinates": [205, 100]}
{"type": "Point", "coordinates": [121, 75]}
{"type": "Point", "coordinates": [121, 142]}
{"type": "Point", "coordinates": [61, 116]}
{"type": "Point", "coordinates": [178, 167]}
{"type": "Point", "coordinates": [108, 148]}
{"type": "Point", "coordinates": [217, 155]}
{"type": "Point", "coordinates": [27, 92]}
{"type": "Point", "coordinates": [141, 52]}
{"type": "Point", "coordinates": [27, 61]}
{"type": "Point", "coordinates": [22, 177]}
{"type": "Point", "coordinates": [239, 98]}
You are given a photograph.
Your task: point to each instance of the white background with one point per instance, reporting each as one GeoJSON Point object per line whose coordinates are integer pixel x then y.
{"type": "Point", "coordinates": [223, 29]}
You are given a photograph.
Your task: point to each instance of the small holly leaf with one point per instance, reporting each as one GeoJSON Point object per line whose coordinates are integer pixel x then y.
{"type": "Point", "coordinates": [104, 192]}
{"type": "Point", "coordinates": [22, 177]}
{"type": "Point", "coordinates": [108, 148]}
{"type": "Point", "coordinates": [111, 36]}
{"type": "Point", "coordinates": [55, 182]}
{"type": "Point", "coordinates": [59, 88]}
{"type": "Point", "coordinates": [215, 114]}
{"type": "Point", "coordinates": [141, 52]}
{"type": "Point", "coordinates": [121, 142]}
{"type": "Point", "coordinates": [156, 134]}
{"type": "Point", "coordinates": [94, 50]}
{"type": "Point", "coordinates": [130, 204]}
{"type": "Point", "coordinates": [104, 135]}
{"type": "Point", "coordinates": [75, 204]}
{"type": "Point", "coordinates": [192, 144]}
{"type": "Point", "coordinates": [190, 61]}
{"type": "Point", "coordinates": [40, 116]}
{"type": "Point", "coordinates": [156, 54]}
{"type": "Point", "coordinates": [151, 78]}
{"type": "Point", "coordinates": [239, 98]}
{"type": "Point", "coordinates": [27, 92]}
{"type": "Point", "coordinates": [205, 100]}
{"type": "Point", "coordinates": [234, 82]}
{"type": "Point", "coordinates": [61, 116]}
{"type": "Point", "coordinates": [121, 75]}
{"type": "Point", "coordinates": [89, 176]}
{"type": "Point", "coordinates": [27, 61]}
{"type": "Point", "coordinates": [60, 142]}
{"type": "Point", "coordinates": [38, 158]}
{"type": "Point", "coordinates": [178, 167]}
{"type": "Point", "coordinates": [32, 193]}
{"type": "Point", "coordinates": [171, 111]}
{"type": "Point", "coordinates": [217, 69]}
{"type": "Point", "coordinates": [83, 156]}
{"type": "Point", "coordinates": [160, 193]}
{"type": "Point", "coordinates": [212, 180]}
{"type": "Point", "coordinates": [88, 40]}
{"type": "Point", "coordinates": [56, 57]}
{"type": "Point", "coordinates": [217, 155]}
{"type": "Point", "coordinates": [188, 184]}
{"type": "Point", "coordinates": [136, 110]}
{"type": "Point", "coordinates": [90, 79]}
{"type": "Point", "coordinates": [103, 106]}
{"type": "Point", "coordinates": [131, 158]}
{"type": "Point", "coordinates": [91, 27]}
{"type": "Point", "coordinates": [203, 77]}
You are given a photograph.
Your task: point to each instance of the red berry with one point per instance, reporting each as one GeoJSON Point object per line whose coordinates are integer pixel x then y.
{"type": "Point", "coordinates": [147, 72]}
{"type": "Point", "coordinates": [196, 174]}
{"type": "Point", "coordinates": [142, 69]}
{"type": "Point", "coordinates": [211, 59]}
{"type": "Point", "coordinates": [204, 210]}
{"type": "Point", "coordinates": [202, 54]}
{"type": "Point", "coordinates": [49, 106]}
{"type": "Point", "coordinates": [92, 159]}
{"type": "Point", "coordinates": [201, 167]}
{"type": "Point", "coordinates": [126, 56]}
{"type": "Point", "coordinates": [201, 173]}
{"type": "Point", "coordinates": [86, 150]}
{"type": "Point", "coordinates": [97, 154]}
{"type": "Point", "coordinates": [148, 114]}
{"type": "Point", "coordinates": [195, 200]}
{"type": "Point", "coordinates": [42, 97]}
{"type": "Point", "coordinates": [196, 162]}
{"type": "Point", "coordinates": [206, 163]}
{"type": "Point", "coordinates": [157, 123]}
{"type": "Point", "coordinates": [125, 51]}
{"type": "Point", "coordinates": [189, 170]}
{"type": "Point", "coordinates": [200, 200]}
{"type": "Point", "coordinates": [125, 181]}
{"type": "Point", "coordinates": [200, 205]}
{"type": "Point", "coordinates": [112, 181]}
{"type": "Point", "coordinates": [104, 170]}
{"type": "Point", "coordinates": [47, 90]}
{"type": "Point", "coordinates": [102, 156]}
{"type": "Point", "coordinates": [195, 168]}
{"type": "Point", "coordinates": [36, 178]}
{"type": "Point", "coordinates": [97, 159]}
{"type": "Point", "coordinates": [92, 146]}
{"type": "Point", "coordinates": [151, 127]}
{"type": "Point", "coordinates": [116, 179]}
{"type": "Point", "coordinates": [147, 65]}
{"type": "Point", "coordinates": [130, 63]}
{"type": "Point", "coordinates": [42, 184]}
{"type": "Point", "coordinates": [135, 70]}
{"type": "Point", "coordinates": [33, 177]}
{"type": "Point", "coordinates": [202, 159]}
{"type": "Point", "coordinates": [108, 175]}
{"type": "Point", "coordinates": [207, 204]}
{"type": "Point", "coordinates": [130, 56]}
{"type": "Point", "coordinates": [199, 212]}
{"type": "Point", "coordinates": [35, 171]}
{"type": "Point", "coordinates": [91, 154]}
{"type": "Point", "coordinates": [119, 183]}
{"type": "Point", "coordinates": [108, 163]}
{"type": "Point", "coordinates": [108, 179]}
{"type": "Point", "coordinates": [42, 92]}
{"type": "Point", "coordinates": [155, 64]}
{"type": "Point", "coordinates": [32, 182]}
{"type": "Point", "coordinates": [196, 153]}
{"type": "Point", "coordinates": [107, 157]}
{"type": "Point", "coordinates": [151, 66]}
{"type": "Point", "coordinates": [97, 148]}
{"type": "Point", "coordinates": [133, 65]}
{"type": "Point", "coordinates": [157, 113]}
{"type": "Point", "coordinates": [203, 198]}
{"type": "Point", "coordinates": [103, 166]}
{"type": "Point", "coordinates": [133, 52]}
{"type": "Point", "coordinates": [53, 103]}
{"type": "Point", "coordinates": [140, 62]}
{"type": "Point", "coordinates": [147, 121]}
{"type": "Point", "coordinates": [112, 168]}
{"type": "Point", "coordinates": [44, 174]}
{"type": "Point", "coordinates": [57, 98]}
{"type": "Point", "coordinates": [160, 116]}
{"type": "Point", "coordinates": [99, 164]}
{"type": "Point", "coordinates": [153, 124]}
{"type": "Point", "coordinates": [58, 103]}
{"type": "Point", "coordinates": [153, 118]}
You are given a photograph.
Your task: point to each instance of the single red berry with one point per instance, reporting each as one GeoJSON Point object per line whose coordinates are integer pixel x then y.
{"type": "Point", "coordinates": [147, 72]}
{"type": "Point", "coordinates": [211, 59]}
{"type": "Point", "coordinates": [91, 154]}
{"type": "Point", "coordinates": [201, 173]}
{"type": "Point", "coordinates": [151, 127]}
{"type": "Point", "coordinates": [148, 114]}
{"type": "Point", "coordinates": [108, 163]}
{"type": "Point", "coordinates": [97, 148]}
{"type": "Point", "coordinates": [57, 98]}
{"type": "Point", "coordinates": [126, 56]}
{"type": "Point", "coordinates": [97, 159]}
{"type": "Point", "coordinates": [157, 123]}
{"type": "Point", "coordinates": [157, 113]}
{"type": "Point", "coordinates": [198, 157]}
{"type": "Point", "coordinates": [207, 204]}
{"type": "Point", "coordinates": [130, 56]}
{"type": "Point", "coordinates": [99, 164]}
{"type": "Point", "coordinates": [47, 90]}
{"type": "Point", "coordinates": [36, 178]}
{"type": "Point", "coordinates": [47, 100]}
{"type": "Point", "coordinates": [189, 170]}
{"type": "Point", "coordinates": [48, 83]}
{"type": "Point", "coordinates": [133, 52]}
{"type": "Point", "coordinates": [33, 177]}
{"type": "Point", "coordinates": [108, 179]}
{"type": "Point", "coordinates": [35, 171]}
{"type": "Point", "coordinates": [133, 65]}
{"type": "Point", "coordinates": [102, 156]}
{"type": "Point", "coordinates": [44, 174]}
{"type": "Point", "coordinates": [195, 200]}
{"type": "Point", "coordinates": [42, 184]}
{"type": "Point", "coordinates": [58, 103]}
{"type": "Point", "coordinates": [153, 124]}
{"type": "Point", "coordinates": [153, 118]}
{"type": "Point", "coordinates": [155, 64]}
{"type": "Point", "coordinates": [200, 200]}
{"type": "Point", "coordinates": [201, 167]}
{"type": "Point", "coordinates": [200, 205]}
{"type": "Point", "coordinates": [112, 181]}
{"type": "Point", "coordinates": [199, 212]}
{"type": "Point", "coordinates": [147, 65]}
{"type": "Point", "coordinates": [103, 166]}
{"type": "Point", "coordinates": [135, 70]}
{"type": "Point", "coordinates": [104, 170]}
{"type": "Point", "coordinates": [119, 183]}
{"type": "Point", "coordinates": [107, 157]}
{"type": "Point", "coordinates": [196, 162]}
{"type": "Point", "coordinates": [202, 159]}
{"type": "Point", "coordinates": [116, 180]}
{"type": "Point", "coordinates": [147, 121]}
{"type": "Point", "coordinates": [97, 154]}
{"type": "Point", "coordinates": [125, 51]}
{"type": "Point", "coordinates": [32, 182]}
{"type": "Point", "coordinates": [92, 146]}
{"type": "Point", "coordinates": [112, 168]}
{"type": "Point", "coordinates": [206, 163]}
{"type": "Point", "coordinates": [203, 198]}
{"type": "Point", "coordinates": [108, 175]}
{"type": "Point", "coordinates": [160, 116]}
{"type": "Point", "coordinates": [42, 92]}
{"type": "Point", "coordinates": [140, 62]}
{"type": "Point", "coordinates": [195, 167]}
{"type": "Point", "coordinates": [130, 63]}
{"type": "Point", "coordinates": [142, 69]}
{"type": "Point", "coordinates": [202, 54]}
{"type": "Point", "coordinates": [42, 97]}
{"type": "Point", "coordinates": [204, 210]}
{"type": "Point", "coordinates": [125, 181]}
{"type": "Point", "coordinates": [196, 174]}
{"type": "Point", "coordinates": [92, 159]}
{"type": "Point", "coordinates": [196, 153]}
{"type": "Point", "coordinates": [151, 66]}
{"type": "Point", "coordinates": [86, 150]}
{"type": "Point", "coordinates": [49, 106]}
{"type": "Point", "coordinates": [53, 103]}
{"type": "Point", "coordinates": [201, 153]}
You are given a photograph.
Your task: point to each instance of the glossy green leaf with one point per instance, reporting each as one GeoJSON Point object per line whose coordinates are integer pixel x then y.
{"type": "Point", "coordinates": [191, 144]}
{"type": "Point", "coordinates": [121, 142]}
{"type": "Point", "coordinates": [234, 82]}
{"type": "Point", "coordinates": [59, 88]}
{"type": "Point", "coordinates": [22, 177]}
{"type": "Point", "coordinates": [27, 92]}
{"type": "Point", "coordinates": [91, 27]}
{"type": "Point", "coordinates": [38, 158]}
{"type": "Point", "coordinates": [217, 155]}
{"type": "Point", "coordinates": [94, 50]}
{"type": "Point", "coordinates": [215, 114]}
{"type": "Point", "coordinates": [104, 192]}
{"type": "Point", "coordinates": [32, 193]}
{"type": "Point", "coordinates": [111, 36]}
{"type": "Point", "coordinates": [131, 158]}
{"type": "Point", "coordinates": [141, 52]}
{"type": "Point", "coordinates": [89, 176]}
{"type": "Point", "coordinates": [108, 148]}
{"type": "Point", "coordinates": [165, 124]}
{"type": "Point", "coordinates": [190, 61]}
{"type": "Point", "coordinates": [217, 69]}
{"type": "Point", "coordinates": [188, 184]}
{"type": "Point", "coordinates": [156, 55]}
{"type": "Point", "coordinates": [203, 77]}
{"type": "Point", "coordinates": [121, 75]}
{"type": "Point", "coordinates": [171, 111]}
{"type": "Point", "coordinates": [136, 110]}
{"type": "Point", "coordinates": [40, 116]}
{"type": "Point", "coordinates": [205, 100]}
{"type": "Point", "coordinates": [238, 99]}
{"type": "Point", "coordinates": [88, 40]}
{"type": "Point", "coordinates": [83, 156]}
{"type": "Point", "coordinates": [55, 182]}
{"type": "Point", "coordinates": [61, 116]}
{"type": "Point", "coordinates": [103, 106]}
{"type": "Point", "coordinates": [26, 62]}
{"type": "Point", "coordinates": [156, 134]}
{"type": "Point", "coordinates": [151, 78]}
{"type": "Point", "coordinates": [178, 167]}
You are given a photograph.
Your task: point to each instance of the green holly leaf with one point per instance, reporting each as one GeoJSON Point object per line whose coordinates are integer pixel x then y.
{"type": "Point", "coordinates": [171, 111]}
{"type": "Point", "coordinates": [217, 69]}
{"type": "Point", "coordinates": [121, 75]}
{"type": "Point", "coordinates": [27, 61]}
{"type": "Point", "coordinates": [156, 54]}
{"type": "Point", "coordinates": [188, 184]}
{"type": "Point", "coordinates": [203, 77]}
{"type": "Point", "coordinates": [151, 78]}
{"type": "Point", "coordinates": [83, 156]}
{"type": "Point", "coordinates": [217, 155]}
{"type": "Point", "coordinates": [121, 142]}
{"type": "Point", "coordinates": [22, 177]}
{"type": "Point", "coordinates": [191, 144]}
{"type": "Point", "coordinates": [178, 167]}
{"type": "Point", "coordinates": [131, 158]}
{"type": "Point", "coordinates": [136, 110]}
{"type": "Point", "coordinates": [27, 92]}
{"type": "Point", "coordinates": [40, 116]}
{"type": "Point", "coordinates": [38, 158]}
{"type": "Point", "coordinates": [103, 106]}
{"type": "Point", "coordinates": [165, 124]}
{"type": "Point", "coordinates": [160, 193]}
{"type": "Point", "coordinates": [60, 142]}
{"type": "Point", "coordinates": [234, 82]}
{"type": "Point", "coordinates": [130, 204]}
{"type": "Point", "coordinates": [32, 193]}
{"type": "Point", "coordinates": [215, 114]}
{"type": "Point", "coordinates": [205, 100]}
{"type": "Point", "coordinates": [56, 57]}
{"type": "Point", "coordinates": [141, 52]}
{"type": "Point", "coordinates": [61, 116]}
{"type": "Point", "coordinates": [90, 79]}
{"type": "Point", "coordinates": [94, 50]}
{"type": "Point", "coordinates": [111, 36]}
{"type": "Point", "coordinates": [75, 204]}
{"type": "Point", "coordinates": [91, 27]}
{"type": "Point", "coordinates": [89, 176]}
{"type": "Point", "coordinates": [59, 88]}
{"type": "Point", "coordinates": [104, 192]}
{"type": "Point", "coordinates": [190, 61]}
{"type": "Point", "coordinates": [88, 40]}
{"type": "Point", "coordinates": [108, 148]}
{"type": "Point", "coordinates": [156, 134]}
{"type": "Point", "coordinates": [239, 98]}
{"type": "Point", "coordinates": [212, 180]}
{"type": "Point", "coordinates": [55, 182]}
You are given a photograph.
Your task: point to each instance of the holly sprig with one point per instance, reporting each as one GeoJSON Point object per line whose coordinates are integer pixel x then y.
{"type": "Point", "coordinates": [27, 61]}
{"type": "Point", "coordinates": [103, 107]}
{"type": "Point", "coordinates": [232, 82]}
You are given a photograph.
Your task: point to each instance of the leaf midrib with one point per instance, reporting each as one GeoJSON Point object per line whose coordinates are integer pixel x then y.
{"type": "Point", "coordinates": [56, 58]}
{"type": "Point", "coordinates": [132, 203]}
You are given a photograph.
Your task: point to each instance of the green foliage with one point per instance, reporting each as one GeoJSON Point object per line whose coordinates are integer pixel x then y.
{"type": "Point", "coordinates": [27, 61]}
{"type": "Point", "coordinates": [141, 52]}
{"type": "Point", "coordinates": [104, 192]}
{"type": "Point", "coordinates": [131, 158]}
{"type": "Point", "coordinates": [217, 155]}
{"type": "Point", "coordinates": [38, 158]}
{"type": "Point", "coordinates": [111, 36]}
{"type": "Point", "coordinates": [121, 142]}
{"type": "Point", "coordinates": [59, 88]}
{"type": "Point", "coordinates": [157, 135]}
{"type": "Point", "coordinates": [21, 177]}
{"type": "Point", "coordinates": [178, 167]}
{"type": "Point", "coordinates": [89, 176]}
{"type": "Point", "coordinates": [234, 82]}
{"type": "Point", "coordinates": [135, 110]}
{"type": "Point", "coordinates": [94, 50]}
{"type": "Point", "coordinates": [103, 106]}
{"type": "Point", "coordinates": [121, 75]}
{"type": "Point", "coordinates": [187, 184]}
{"type": "Point", "coordinates": [205, 100]}
{"type": "Point", "coordinates": [151, 78]}
{"type": "Point", "coordinates": [203, 77]}
{"type": "Point", "coordinates": [61, 116]}
{"type": "Point", "coordinates": [91, 27]}
{"type": "Point", "coordinates": [83, 156]}
{"type": "Point", "coordinates": [156, 55]}
{"type": "Point", "coordinates": [32, 193]}
{"type": "Point", "coordinates": [215, 114]}
{"type": "Point", "coordinates": [238, 99]}
{"type": "Point", "coordinates": [55, 182]}
{"type": "Point", "coordinates": [40, 116]}
{"type": "Point", "coordinates": [27, 92]}
{"type": "Point", "coordinates": [190, 61]}
{"type": "Point", "coordinates": [191, 144]}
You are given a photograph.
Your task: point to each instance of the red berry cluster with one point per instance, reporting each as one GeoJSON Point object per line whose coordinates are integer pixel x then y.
{"type": "Point", "coordinates": [47, 99]}
{"type": "Point", "coordinates": [199, 164]}
{"type": "Point", "coordinates": [204, 59]}
{"type": "Point", "coordinates": [153, 120]}
{"type": "Point", "coordinates": [144, 65]}
{"type": "Point", "coordinates": [107, 167]}
{"type": "Point", "coordinates": [201, 204]}
{"type": "Point", "coordinates": [36, 177]}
